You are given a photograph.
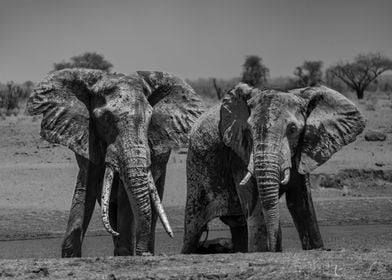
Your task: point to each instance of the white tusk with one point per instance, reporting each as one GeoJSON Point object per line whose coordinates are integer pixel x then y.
{"type": "Point", "coordinates": [248, 175]}
{"type": "Point", "coordinates": [286, 176]}
{"type": "Point", "coordinates": [156, 201]}
{"type": "Point", "coordinates": [246, 179]}
{"type": "Point", "coordinates": [105, 199]}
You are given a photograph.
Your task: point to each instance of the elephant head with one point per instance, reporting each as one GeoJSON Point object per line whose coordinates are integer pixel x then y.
{"type": "Point", "coordinates": [119, 121]}
{"type": "Point", "coordinates": [276, 133]}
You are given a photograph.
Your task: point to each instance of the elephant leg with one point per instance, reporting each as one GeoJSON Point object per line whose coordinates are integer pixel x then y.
{"type": "Point", "coordinates": [300, 204]}
{"type": "Point", "coordinates": [113, 213]}
{"type": "Point", "coordinates": [239, 237]}
{"type": "Point", "coordinates": [124, 244]}
{"type": "Point", "coordinates": [195, 222]}
{"type": "Point", "coordinates": [158, 170]}
{"type": "Point", "coordinates": [279, 247]}
{"type": "Point", "coordinates": [239, 232]}
{"type": "Point", "coordinates": [257, 232]}
{"type": "Point", "coordinates": [205, 199]}
{"type": "Point", "coordinates": [192, 234]}
{"type": "Point", "coordinates": [82, 208]}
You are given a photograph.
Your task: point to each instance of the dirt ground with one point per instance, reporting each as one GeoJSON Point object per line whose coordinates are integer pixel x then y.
{"type": "Point", "coordinates": [37, 179]}
{"type": "Point", "coordinates": [309, 265]}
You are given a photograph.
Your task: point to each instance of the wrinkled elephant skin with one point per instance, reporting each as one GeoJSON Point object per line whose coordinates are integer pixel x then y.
{"type": "Point", "coordinates": [256, 145]}
{"type": "Point", "coordinates": [122, 129]}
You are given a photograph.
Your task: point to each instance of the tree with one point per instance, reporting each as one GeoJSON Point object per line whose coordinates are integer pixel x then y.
{"type": "Point", "coordinates": [89, 60]}
{"type": "Point", "coordinates": [254, 72]}
{"type": "Point", "coordinates": [10, 97]}
{"type": "Point", "coordinates": [365, 69]}
{"type": "Point", "coordinates": [218, 90]}
{"type": "Point", "coordinates": [309, 74]}
{"type": "Point", "coordinates": [333, 82]}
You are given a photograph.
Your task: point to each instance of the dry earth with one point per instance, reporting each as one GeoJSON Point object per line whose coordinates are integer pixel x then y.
{"type": "Point", "coordinates": [309, 265]}
{"type": "Point", "coordinates": [37, 180]}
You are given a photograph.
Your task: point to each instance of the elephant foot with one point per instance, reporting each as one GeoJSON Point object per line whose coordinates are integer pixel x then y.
{"type": "Point", "coordinates": [215, 246]}
{"type": "Point", "coordinates": [239, 237]}
{"type": "Point", "coordinates": [239, 232]}
{"type": "Point", "coordinates": [72, 245]}
{"type": "Point", "coordinates": [323, 249]}
{"type": "Point", "coordinates": [70, 253]}
{"type": "Point", "coordinates": [311, 242]}
{"type": "Point", "coordinates": [122, 251]}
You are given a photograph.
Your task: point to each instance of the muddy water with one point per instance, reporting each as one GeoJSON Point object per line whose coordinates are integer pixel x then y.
{"type": "Point", "coordinates": [359, 237]}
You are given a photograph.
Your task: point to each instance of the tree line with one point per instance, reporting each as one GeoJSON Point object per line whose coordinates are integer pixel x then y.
{"type": "Point", "coordinates": [357, 75]}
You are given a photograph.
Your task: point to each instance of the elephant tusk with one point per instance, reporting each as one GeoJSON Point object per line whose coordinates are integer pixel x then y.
{"type": "Point", "coordinates": [105, 199]}
{"type": "Point", "coordinates": [245, 180]}
{"type": "Point", "coordinates": [156, 201]}
{"type": "Point", "coordinates": [286, 176]}
{"type": "Point", "coordinates": [248, 175]}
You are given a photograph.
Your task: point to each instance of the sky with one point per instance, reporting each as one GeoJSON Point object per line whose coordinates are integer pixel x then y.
{"type": "Point", "coordinates": [194, 39]}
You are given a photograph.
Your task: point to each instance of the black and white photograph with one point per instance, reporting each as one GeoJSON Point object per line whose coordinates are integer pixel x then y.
{"type": "Point", "coordinates": [195, 139]}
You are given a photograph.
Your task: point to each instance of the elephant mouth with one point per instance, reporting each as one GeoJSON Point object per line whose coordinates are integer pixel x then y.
{"type": "Point", "coordinates": [154, 198]}
{"type": "Point", "coordinates": [284, 181]}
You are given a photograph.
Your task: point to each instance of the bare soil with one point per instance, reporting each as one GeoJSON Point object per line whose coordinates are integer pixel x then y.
{"type": "Point", "coordinates": [353, 188]}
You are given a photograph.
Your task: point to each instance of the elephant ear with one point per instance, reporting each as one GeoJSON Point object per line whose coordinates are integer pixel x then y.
{"type": "Point", "coordinates": [63, 99]}
{"type": "Point", "coordinates": [332, 122]}
{"type": "Point", "coordinates": [233, 125]}
{"type": "Point", "coordinates": [176, 107]}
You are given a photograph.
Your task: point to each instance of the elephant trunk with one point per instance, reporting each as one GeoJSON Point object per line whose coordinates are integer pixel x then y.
{"type": "Point", "coordinates": [142, 193]}
{"type": "Point", "coordinates": [267, 174]}
{"type": "Point", "coordinates": [137, 187]}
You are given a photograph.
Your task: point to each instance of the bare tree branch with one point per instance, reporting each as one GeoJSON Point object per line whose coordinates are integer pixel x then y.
{"type": "Point", "coordinates": [218, 90]}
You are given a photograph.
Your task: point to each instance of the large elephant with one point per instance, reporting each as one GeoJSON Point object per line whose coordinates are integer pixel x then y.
{"type": "Point", "coordinates": [122, 129]}
{"type": "Point", "coordinates": [256, 145]}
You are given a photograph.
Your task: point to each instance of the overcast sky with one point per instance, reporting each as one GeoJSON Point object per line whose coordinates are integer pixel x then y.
{"type": "Point", "coordinates": [200, 38]}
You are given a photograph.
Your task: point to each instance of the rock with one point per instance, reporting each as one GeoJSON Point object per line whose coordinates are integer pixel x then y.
{"type": "Point", "coordinates": [379, 164]}
{"type": "Point", "coordinates": [375, 135]}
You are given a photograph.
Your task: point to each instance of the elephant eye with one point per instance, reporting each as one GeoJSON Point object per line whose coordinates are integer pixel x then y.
{"type": "Point", "coordinates": [292, 129]}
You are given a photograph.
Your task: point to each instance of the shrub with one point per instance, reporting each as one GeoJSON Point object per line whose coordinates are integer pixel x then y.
{"type": "Point", "coordinates": [11, 95]}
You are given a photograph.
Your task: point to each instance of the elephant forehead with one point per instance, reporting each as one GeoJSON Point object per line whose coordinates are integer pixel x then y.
{"type": "Point", "coordinates": [276, 103]}
{"type": "Point", "coordinates": [123, 95]}
{"type": "Point", "coordinates": [111, 83]}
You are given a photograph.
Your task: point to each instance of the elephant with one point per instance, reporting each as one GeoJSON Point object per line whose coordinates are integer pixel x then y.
{"type": "Point", "coordinates": [122, 129]}
{"type": "Point", "coordinates": [245, 152]}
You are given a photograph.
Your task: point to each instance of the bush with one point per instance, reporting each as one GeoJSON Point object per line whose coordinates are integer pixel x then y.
{"type": "Point", "coordinates": [11, 95]}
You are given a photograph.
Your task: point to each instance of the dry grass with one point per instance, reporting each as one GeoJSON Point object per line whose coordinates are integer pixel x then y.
{"type": "Point", "coordinates": [303, 265]}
